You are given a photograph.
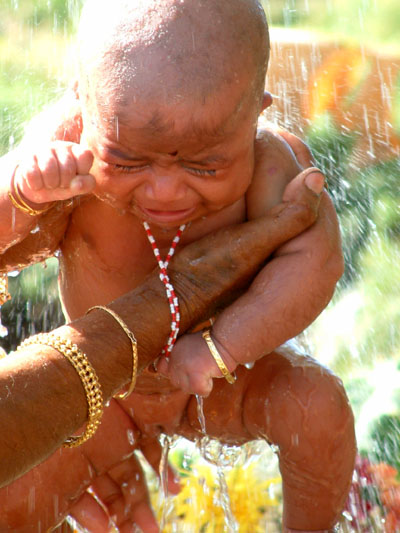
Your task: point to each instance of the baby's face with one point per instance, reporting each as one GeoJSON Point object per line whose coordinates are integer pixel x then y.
{"type": "Point", "coordinates": [173, 163]}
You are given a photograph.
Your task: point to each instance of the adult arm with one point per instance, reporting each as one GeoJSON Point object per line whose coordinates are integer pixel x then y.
{"type": "Point", "coordinates": [42, 399]}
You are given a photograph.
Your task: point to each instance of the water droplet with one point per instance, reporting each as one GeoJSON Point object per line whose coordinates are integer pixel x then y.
{"type": "Point", "coordinates": [131, 437]}
{"type": "Point", "coordinates": [200, 414]}
{"type": "Point", "coordinates": [31, 500]}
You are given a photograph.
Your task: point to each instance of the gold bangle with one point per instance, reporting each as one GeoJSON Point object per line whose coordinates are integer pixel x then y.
{"type": "Point", "coordinates": [19, 203]}
{"type": "Point", "coordinates": [88, 378]}
{"type": "Point", "coordinates": [218, 359]}
{"type": "Point", "coordinates": [131, 337]}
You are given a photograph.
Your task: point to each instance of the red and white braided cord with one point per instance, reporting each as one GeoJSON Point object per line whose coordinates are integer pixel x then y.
{"type": "Point", "coordinates": [169, 289]}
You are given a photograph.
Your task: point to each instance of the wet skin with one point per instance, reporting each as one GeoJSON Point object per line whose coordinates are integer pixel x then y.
{"type": "Point", "coordinates": [252, 408]}
{"type": "Point", "coordinates": [175, 173]}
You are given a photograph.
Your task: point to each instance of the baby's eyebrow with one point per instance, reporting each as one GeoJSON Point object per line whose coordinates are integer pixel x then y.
{"type": "Point", "coordinates": [122, 155]}
{"type": "Point", "coordinates": [206, 160]}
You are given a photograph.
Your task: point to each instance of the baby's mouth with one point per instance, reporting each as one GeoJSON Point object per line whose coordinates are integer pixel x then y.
{"type": "Point", "coordinates": [167, 216]}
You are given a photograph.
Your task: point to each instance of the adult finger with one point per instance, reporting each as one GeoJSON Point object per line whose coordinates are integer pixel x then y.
{"type": "Point", "coordinates": [90, 514]}
{"type": "Point", "coordinates": [123, 491]}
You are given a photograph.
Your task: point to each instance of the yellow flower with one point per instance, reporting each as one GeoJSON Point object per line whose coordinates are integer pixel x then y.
{"type": "Point", "coordinates": [198, 508]}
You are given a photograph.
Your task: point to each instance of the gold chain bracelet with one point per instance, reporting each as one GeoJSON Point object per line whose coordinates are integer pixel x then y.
{"type": "Point", "coordinates": [131, 337]}
{"type": "Point", "coordinates": [88, 378]}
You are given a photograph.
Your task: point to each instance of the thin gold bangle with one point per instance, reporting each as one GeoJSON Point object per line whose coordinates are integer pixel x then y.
{"type": "Point", "coordinates": [19, 203]}
{"type": "Point", "coordinates": [218, 359]}
{"type": "Point", "coordinates": [87, 376]}
{"type": "Point", "coordinates": [133, 340]}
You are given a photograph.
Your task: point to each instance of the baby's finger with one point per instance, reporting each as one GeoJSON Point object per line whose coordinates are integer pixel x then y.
{"type": "Point", "coordinates": [84, 159]}
{"type": "Point", "coordinates": [28, 175]}
{"type": "Point", "coordinates": [82, 184]}
{"type": "Point", "coordinates": [48, 164]}
{"type": "Point", "coordinates": [67, 165]}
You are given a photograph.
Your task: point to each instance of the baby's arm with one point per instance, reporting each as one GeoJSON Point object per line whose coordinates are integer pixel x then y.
{"type": "Point", "coordinates": [285, 297]}
{"type": "Point", "coordinates": [39, 174]}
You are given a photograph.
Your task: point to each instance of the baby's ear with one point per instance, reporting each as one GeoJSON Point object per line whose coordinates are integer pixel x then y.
{"type": "Point", "coordinates": [266, 100]}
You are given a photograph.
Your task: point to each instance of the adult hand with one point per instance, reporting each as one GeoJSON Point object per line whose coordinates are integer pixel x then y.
{"type": "Point", "coordinates": [106, 465]}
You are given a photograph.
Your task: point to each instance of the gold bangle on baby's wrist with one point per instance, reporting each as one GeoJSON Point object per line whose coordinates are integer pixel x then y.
{"type": "Point", "coordinates": [87, 376]}
{"type": "Point", "coordinates": [218, 359]}
{"type": "Point", "coordinates": [19, 203]}
{"type": "Point", "coordinates": [131, 337]}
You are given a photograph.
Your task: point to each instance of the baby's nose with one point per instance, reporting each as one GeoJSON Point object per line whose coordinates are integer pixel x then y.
{"type": "Point", "coordinates": [165, 187]}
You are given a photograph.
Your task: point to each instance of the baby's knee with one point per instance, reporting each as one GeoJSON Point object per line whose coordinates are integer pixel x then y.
{"type": "Point", "coordinates": [315, 407]}
{"type": "Point", "coordinates": [301, 406]}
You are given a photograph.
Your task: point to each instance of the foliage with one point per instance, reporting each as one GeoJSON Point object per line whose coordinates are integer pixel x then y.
{"type": "Point", "coordinates": [35, 305]}
{"type": "Point", "coordinates": [365, 21]}
{"type": "Point", "coordinates": [386, 445]}
{"type": "Point", "coordinates": [52, 15]}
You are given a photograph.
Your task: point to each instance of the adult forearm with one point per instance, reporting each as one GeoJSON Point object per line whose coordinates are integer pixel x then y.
{"type": "Point", "coordinates": [42, 399]}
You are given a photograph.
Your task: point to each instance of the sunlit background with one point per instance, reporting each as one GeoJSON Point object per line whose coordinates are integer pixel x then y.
{"type": "Point", "coordinates": [335, 77]}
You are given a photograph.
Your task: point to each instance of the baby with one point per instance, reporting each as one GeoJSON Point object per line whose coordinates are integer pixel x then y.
{"type": "Point", "coordinates": [166, 150]}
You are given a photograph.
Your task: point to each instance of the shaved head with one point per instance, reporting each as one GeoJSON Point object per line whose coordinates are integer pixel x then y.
{"type": "Point", "coordinates": [170, 50]}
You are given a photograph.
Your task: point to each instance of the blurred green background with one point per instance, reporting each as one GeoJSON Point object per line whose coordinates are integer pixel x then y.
{"type": "Point", "coordinates": [360, 330]}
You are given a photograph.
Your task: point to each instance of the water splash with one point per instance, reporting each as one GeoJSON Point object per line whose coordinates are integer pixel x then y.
{"type": "Point", "coordinates": [221, 456]}
{"type": "Point", "coordinates": [165, 502]}
{"type": "Point", "coordinates": [200, 414]}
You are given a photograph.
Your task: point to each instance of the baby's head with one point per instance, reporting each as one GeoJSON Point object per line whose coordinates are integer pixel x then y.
{"type": "Point", "coordinates": [180, 76]}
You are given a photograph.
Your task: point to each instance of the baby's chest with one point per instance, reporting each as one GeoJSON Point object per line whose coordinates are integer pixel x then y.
{"type": "Point", "coordinates": [108, 246]}
{"type": "Point", "coordinates": [120, 245]}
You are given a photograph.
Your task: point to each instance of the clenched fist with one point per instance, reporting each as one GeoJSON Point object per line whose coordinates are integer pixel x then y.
{"type": "Point", "coordinates": [57, 172]}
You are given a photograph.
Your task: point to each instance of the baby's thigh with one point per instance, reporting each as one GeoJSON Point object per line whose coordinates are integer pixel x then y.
{"type": "Point", "coordinates": [300, 405]}
{"type": "Point", "coordinates": [283, 397]}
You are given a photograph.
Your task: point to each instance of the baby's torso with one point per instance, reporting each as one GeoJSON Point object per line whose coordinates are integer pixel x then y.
{"type": "Point", "coordinates": [106, 253]}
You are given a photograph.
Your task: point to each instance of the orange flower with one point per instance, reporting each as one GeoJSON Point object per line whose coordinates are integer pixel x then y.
{"type": "Point", "coordinates": [384, 475]}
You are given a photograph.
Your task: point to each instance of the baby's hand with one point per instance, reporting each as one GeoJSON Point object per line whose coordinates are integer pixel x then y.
{"type": "Point", "coordinates": [58, 172]}
{"type": "Point", "coordinates": [191, 366]}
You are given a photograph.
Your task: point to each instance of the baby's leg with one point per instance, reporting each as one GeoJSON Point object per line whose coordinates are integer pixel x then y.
{"type": "Point", "coordinates": [301, 407]}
